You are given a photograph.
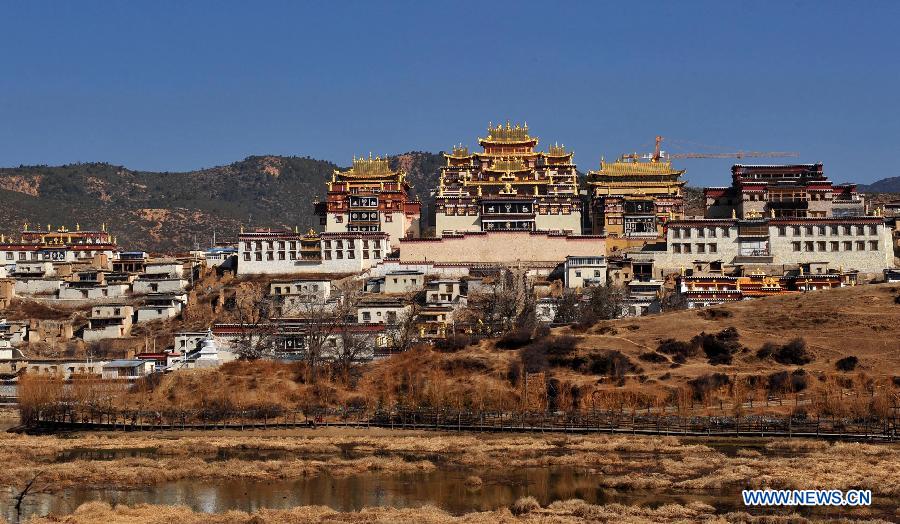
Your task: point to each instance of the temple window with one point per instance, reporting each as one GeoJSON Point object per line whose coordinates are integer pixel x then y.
{"type": "Point", "coordinates": [796, 231]}
{"type": "Point", "coordinates": [873, 230]}
{"type": "Point", "coordinates": [848, 246]}
{"type": "Point", "coordinates": [782, 231]}
{"type": "Point", "coordinates": [835, 246]}
{"type": "Point", "coordinates": [873, 245]}
{"type": "Point", "coordinates": [860, 245]}
{"type": "Point", "coordinates": [795, 246]}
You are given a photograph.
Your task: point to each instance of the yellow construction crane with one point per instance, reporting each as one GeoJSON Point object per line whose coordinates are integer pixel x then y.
{"type": "Point", "coordinates": [658, 154]}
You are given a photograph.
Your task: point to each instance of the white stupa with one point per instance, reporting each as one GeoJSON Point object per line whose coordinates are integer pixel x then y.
{"type": "Point", "coordinates": [209, 353]}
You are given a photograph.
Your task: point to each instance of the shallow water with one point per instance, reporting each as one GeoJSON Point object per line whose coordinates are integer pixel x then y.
{"type": "Point", "coordinates": [444, 488]}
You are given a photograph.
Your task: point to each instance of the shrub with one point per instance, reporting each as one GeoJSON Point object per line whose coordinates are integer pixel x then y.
{"type": "Point", "coordinates": [654, 357]}
{"type": "Point", "coordinates": [714, 313]}
{"type": "Point", "coordinates": [534, 358]}
{"type": "Point", "coordinates": [847, 363]}
{"type": "Point", "coordinates": [515, 339]}
{"type": "Point", "coordinates": [473, 482]}
{"type": "Point", "coordinates": [719, 347]}
{"type": "Point", "coordinates": [784, 382]}
{"type": "Point", "coordinates": [704, 384]}
{"type": "Point", "coordinates": [464, 364]}
{"type": "Point", "coordinates": [793, 353]}
{"type": "Point", "coordinates": [680, 350]}
{"type": "Point", "coordinates": [524, 505]}
{"type": "Point", "coordinates": [514, 373]}
{"type": "Point", "coordinates": [767, 350]}
{"type": "Point", "coordinates": [612, 364]}
{"type": "Point", "coordinates": [453, 343]}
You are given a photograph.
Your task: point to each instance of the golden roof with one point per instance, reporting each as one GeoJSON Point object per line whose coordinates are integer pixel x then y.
{"type": "Point", "coordinates": [558, 150]}
{"type": "Point", "coordinates": [460, 151]}
{"type": "Point", "coordinates": [622, 167]}
{"type": "Point", "coordinates": [509, 133]}
{"type": "Point", "coordinates": [377, 167]}
{"type": "Point", "coordinates": [507, 165]}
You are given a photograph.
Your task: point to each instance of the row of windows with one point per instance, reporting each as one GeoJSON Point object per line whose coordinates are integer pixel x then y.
{"type": "Point", "coordinates": [339, 244]}
{"type": "Point", "coordinates": [832, 230]}
{"type": "Point", "coordinates": [846, 245]}
{"type": "Point", "coordinates": [700, 248]}
{"type": "Point", "coordinates": [36, 256]}
{"type": "Point", "coordinates": [339, 255]}
{"type": "Point", "coordinates": [701, 232]}
{"type": "Point", "coordinates": [271, 255]}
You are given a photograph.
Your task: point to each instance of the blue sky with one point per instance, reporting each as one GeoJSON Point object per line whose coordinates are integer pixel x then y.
{"type": "Point", "coordinates": [184, 85]}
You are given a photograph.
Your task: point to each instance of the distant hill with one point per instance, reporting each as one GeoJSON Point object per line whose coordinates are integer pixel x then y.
{"type": "Point", "coordinates": [170, 211]}
{"type": "Point", "coordinates": [885, 185]}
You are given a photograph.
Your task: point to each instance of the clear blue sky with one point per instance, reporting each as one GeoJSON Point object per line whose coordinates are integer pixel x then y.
{"type": "Point", "coordinates": [183, 85]}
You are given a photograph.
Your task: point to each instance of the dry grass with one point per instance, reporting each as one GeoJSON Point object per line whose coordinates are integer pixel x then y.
{"type": "Point", "coordinates": [622, 462]}
{"type": "Point", "coordinates": [528, 510]}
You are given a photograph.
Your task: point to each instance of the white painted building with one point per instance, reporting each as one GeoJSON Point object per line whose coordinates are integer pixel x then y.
{"type": "Point", "coordinates": [860, 243]}
{"type": "Point", "coordinates": [109, 321]}
{"type": "Point", "coordinates": [583, 271]}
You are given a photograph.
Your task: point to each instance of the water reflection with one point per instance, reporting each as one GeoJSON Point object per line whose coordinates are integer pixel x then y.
{"type": "Point", "coordinates": [445, 488]}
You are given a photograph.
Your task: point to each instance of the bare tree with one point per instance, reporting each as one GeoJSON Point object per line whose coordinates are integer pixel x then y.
{"type": "Point", "coordinates": [603, 303]}
{"type": "Point", "coordinates": [24, 493]}
{"type": "Point", "coordinates": [568, 307]}
{"type": "Point", "coordinates": [323, 321]}
{"type": "Point", "coordinates": [405, 333]}
{"type": "Point", "coordinates": [251, 309]}
{"type": "Point", "coordinates": [505, 304]}
{"type": "Point", "coordinates": [349, 349]}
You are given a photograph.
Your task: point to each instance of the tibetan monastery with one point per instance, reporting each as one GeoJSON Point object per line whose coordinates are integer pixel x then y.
{"type": "Point", "coordinates": [633, 199]}
{"type": "Point", "coordinates": [508, 186]}
{"type": "Point", "coordinates": [370, 197]}
{"type": "Point", "coordinates": [57, 245]}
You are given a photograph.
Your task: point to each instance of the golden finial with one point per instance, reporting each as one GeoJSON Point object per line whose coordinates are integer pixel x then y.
{"type": "Point", "coordinates": [772, 212]}
{"type": "Point", "coordinates": [296, 230]}
{"type": "Point", "coordinates": [508, 126]}
{"type": "Point", "coordinates": [801, 271]}
{"type": "Point", "coordinates": [242, 229]}
{"type": "Point", "coordinates": [734, 213]}
{"type": "Point", "coordinates": [48, 227]}
{"type": "Point", "coordinates": [77, 226]}
{"type": "Point", "coordinates": [103, 226]}
{"type": "Point", "coordinates": [479, 190]}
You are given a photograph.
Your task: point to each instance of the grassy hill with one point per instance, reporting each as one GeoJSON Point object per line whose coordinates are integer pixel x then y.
{"type": "Point", "coordinates": [170, 211]}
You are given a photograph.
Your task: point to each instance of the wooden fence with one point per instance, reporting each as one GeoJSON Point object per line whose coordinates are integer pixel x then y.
{"type": "Point", "coordinates": [622, 422]}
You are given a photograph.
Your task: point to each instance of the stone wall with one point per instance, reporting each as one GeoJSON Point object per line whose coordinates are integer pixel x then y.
{"type": "Point", "coordinates": [503, 247]}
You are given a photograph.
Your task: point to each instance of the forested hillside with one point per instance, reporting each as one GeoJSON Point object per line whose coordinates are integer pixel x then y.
{"type": "Point", "coordinates": [169, 211]}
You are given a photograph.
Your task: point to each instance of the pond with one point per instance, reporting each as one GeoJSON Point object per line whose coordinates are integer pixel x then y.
{"type": "Point", "coordinates": [446, 488]}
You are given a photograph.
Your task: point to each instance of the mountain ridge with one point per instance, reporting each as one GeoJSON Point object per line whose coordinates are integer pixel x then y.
{"type": "Point", "coordinates": [167, 211]}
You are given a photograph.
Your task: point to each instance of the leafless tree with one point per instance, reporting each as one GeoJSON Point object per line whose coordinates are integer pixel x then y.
{"type": "Point", "coordinates": [349, 349]}
{"type": "Point", "coordinates": [504, 304]}
{"type": "Point", "coordinates": [568, 307]}
{"type": "Point", "coordinates": [405, 333]}
{"type": "Point", "coordinates": [324, 321]}
{"type": "Point", "coordinates": [24, 493]}
{"type": "Point", "coordinates": [251, 309]}
{"type": "Point", "coordinates": [603, 303]}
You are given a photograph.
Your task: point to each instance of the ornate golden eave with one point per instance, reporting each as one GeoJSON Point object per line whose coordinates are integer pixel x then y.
{"type": "Point", "coordinates": [508, 135]}
{"type": "Point", "coordinates": [369, 168]}
{"type": "Point", "coordinates": [623, 167]}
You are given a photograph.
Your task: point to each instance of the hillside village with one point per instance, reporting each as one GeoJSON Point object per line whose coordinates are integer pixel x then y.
{"type": "Point", "coordinates": [519, 241]}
